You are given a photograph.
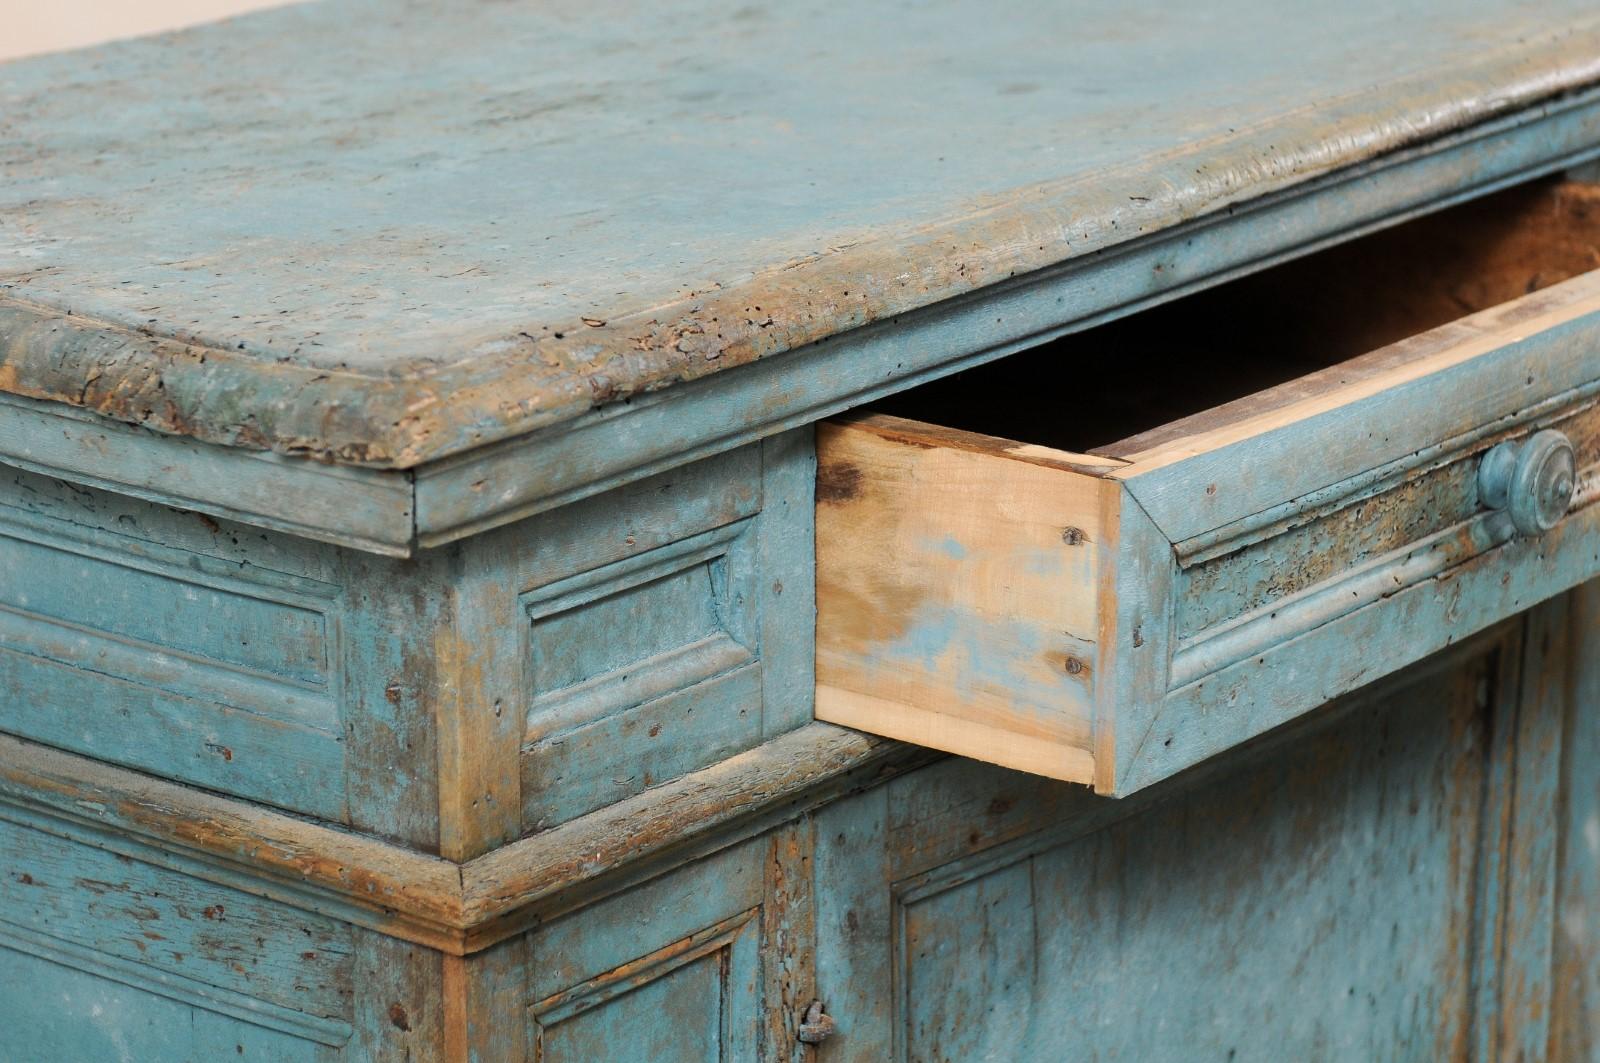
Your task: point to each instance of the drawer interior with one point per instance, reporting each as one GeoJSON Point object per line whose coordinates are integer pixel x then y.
{"type": "Point", "coordinates": [1110, 556]}
{"type": "Point", "coordinates": [1270, 338]}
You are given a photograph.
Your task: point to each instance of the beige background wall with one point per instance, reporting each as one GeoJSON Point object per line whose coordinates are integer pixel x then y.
{"type": "Point", "coordinates": [30, 26]}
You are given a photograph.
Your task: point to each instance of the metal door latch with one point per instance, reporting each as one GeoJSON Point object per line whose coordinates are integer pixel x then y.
{"type": "Point", "coordinates": [816, 1025]}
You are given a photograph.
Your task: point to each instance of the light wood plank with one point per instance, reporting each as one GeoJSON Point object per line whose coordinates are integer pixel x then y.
{"type": "Point", "coordinates": [958, 591]}
{"type": "Point", "coordinates": [1460, 378]}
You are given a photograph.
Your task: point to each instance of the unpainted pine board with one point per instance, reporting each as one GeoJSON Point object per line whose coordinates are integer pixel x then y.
{"type": "Point", "coordinates": [958, 591]}
{"type": "Point", "coordinates": [1456, 380]}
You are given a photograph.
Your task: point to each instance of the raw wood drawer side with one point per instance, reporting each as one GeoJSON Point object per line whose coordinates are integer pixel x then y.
{"type": "Point", "coordinates": [1117, 618]}
{"type": "Point", "coordinates": [960, 593]}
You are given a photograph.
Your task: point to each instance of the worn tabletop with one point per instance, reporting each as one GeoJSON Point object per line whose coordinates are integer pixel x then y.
{"type": "Point", "coordinates": [383, 232]}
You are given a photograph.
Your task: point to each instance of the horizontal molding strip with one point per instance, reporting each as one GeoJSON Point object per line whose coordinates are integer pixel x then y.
{"type": "Point", "coordinates": [1299, 614]}
{"type": "Point", "coordinates": [620, 443]}
{"type": "Point", "coordinates": [418, 897]}
{"type": "Point", "coordinates": [365, 509]}
{"type": "Point", "coordinates": [165, 670]}
{"type": "Point", "coordinates": [332, 1032]}
{"type": "Point", "coordinates": [397, 512]}
{"type": "Point", "coordinates": [1297, 511]}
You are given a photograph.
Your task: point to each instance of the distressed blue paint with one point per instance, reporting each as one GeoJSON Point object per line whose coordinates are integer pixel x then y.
{"type": "Point", "coordinates": [107, 958]}
{"type": "Point", "coordinates": [431, 200]}
{"type": "Point", "coordinates": [458, 294]}
{"type": "Point", "coordinates": [69, 1014]}
{"type": "Point", "coordinates": [1575, 1007]}
{"type": "Point", "coordinates": [185, 647]}
{"type": "Point", "coordinates": [688, 976]}
{"type": "Point", "coordinates": [1311, 899]}
{"type": "Point", "coordinates": [165, 610]}
{"type": "Point", "coordinates": [622, 443]}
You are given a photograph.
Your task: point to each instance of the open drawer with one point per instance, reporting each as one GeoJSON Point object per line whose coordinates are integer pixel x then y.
{"type": "Point", "coordinates": [1284, 518]}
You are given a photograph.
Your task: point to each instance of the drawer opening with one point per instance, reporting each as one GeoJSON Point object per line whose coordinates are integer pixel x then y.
{"type": "Point", "coordinates": [1272, 337]}
{"type": "Point", "coordinates": [1114, 555]}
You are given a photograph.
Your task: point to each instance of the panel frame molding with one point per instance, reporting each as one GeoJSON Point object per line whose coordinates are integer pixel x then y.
{"type": "Point", "coordinates": [456, 908]}
{"type": "Point", "coordinates": [1514, 872]}
{"type": "Point", "coordinates": [334, 1033]}
{"type": "Point", "coordinates": [737, 932]}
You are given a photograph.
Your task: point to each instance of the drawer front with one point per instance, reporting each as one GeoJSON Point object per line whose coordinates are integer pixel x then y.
{"type": "Point", "coordinates": [1116, 617]}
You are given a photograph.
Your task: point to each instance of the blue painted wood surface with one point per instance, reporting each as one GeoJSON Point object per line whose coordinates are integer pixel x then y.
{"type": "Point", "coordinates": [470, 245]}
{"type": "Point", "coordinates": [414, 231]}
{"type": "Point", "coordinates": [1374, 884]}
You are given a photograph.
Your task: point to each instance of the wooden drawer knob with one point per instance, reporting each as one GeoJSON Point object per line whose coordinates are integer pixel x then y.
{"type": "Point", "coordinates": [1532, 480]}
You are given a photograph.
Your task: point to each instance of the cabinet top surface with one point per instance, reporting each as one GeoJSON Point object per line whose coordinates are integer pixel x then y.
{"type": "Point", "coordinates": [384, 232]}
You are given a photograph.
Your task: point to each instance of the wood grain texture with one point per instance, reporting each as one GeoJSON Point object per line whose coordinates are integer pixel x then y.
{"type": "Point", "coordinates": [1378, 834]}
{"type": "Point", "coordinates": [241, 331]}
{"type": "Point", "coordinates": [455, 908]}
{"type": "Point", "coordinates": [634, 840]}
{"type": "Point", "coordinates": [366, 881]}
{"type": "Point", "coordinates": [1575, 968]}
{"type": "Point", "coordinates": [1453, 381]}
{"type": "Point", "coordinates": [1343, 312]}
{"type": "Point", "coordinates": [958, 591]}
{"type": "Point", "coordinates": [1153, 922]}
{"type": "Point", "coordinates": [1296, 675]}
{"type": "Point", "coordinates": [208, 944]}
{"type": "Point", "coordinates": [366, 509]}
{"type": "Point", "coordinates": [688, 986]}
{"type": "Point", "coordinates": [1244, 532]}
{"type": "Point", "coordinates": [1140, 593]}
{"type": "Point", "coordinates": [625, 441]}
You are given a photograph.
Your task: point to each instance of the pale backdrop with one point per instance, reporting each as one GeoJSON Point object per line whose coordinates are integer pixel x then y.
{"type": "Point", "coordinates": [30, 26]}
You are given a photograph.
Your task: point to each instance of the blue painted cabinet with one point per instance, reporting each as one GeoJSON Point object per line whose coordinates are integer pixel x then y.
{"type": "Point", "coordinates": [738, 533]}
{"type": "Point", "coordinates": [1396, 878]}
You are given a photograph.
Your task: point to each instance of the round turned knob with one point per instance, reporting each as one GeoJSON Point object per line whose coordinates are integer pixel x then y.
{"type": "Point", "coordinates": [1532, 480]}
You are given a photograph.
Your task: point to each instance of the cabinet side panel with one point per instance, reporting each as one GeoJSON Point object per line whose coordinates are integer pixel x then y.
{"type": "Point", "coordinates": [170, 642]}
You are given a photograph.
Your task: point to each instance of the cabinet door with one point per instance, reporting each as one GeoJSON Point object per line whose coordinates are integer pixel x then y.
{"type": "Point", "coordinates": [1575, 981]}
{"type": "Point", "coordinates": [1381, 881]}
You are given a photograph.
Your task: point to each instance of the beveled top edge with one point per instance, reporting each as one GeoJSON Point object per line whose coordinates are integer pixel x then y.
{"type": "Point", "coordinates": [504, 387]}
